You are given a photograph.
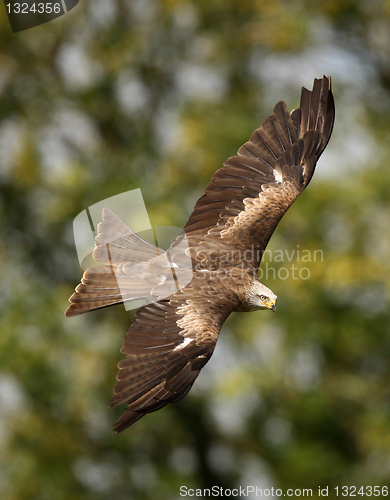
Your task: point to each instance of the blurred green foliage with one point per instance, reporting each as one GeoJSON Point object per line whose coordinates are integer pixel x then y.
{"type": "Point", "coordinates": [156, 94]}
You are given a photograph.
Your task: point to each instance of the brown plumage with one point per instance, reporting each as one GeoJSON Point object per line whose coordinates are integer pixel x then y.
{"type": "Point", "coordinates": [174, 335]}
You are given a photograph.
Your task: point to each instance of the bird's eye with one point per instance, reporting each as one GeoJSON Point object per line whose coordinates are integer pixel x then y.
{"type": "Point", "coordinates": [263, 297]}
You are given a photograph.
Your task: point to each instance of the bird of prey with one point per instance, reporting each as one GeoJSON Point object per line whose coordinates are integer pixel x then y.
{"type": "Point", "coordinates": [174, 335]}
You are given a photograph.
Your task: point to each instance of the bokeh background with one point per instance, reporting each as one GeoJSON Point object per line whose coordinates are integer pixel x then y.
{"type": "Point", "coordinates": [157, 94]}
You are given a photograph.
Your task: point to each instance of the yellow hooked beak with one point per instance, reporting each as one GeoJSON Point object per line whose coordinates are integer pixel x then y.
{"type": "Point", "coordinates": [271, 305]}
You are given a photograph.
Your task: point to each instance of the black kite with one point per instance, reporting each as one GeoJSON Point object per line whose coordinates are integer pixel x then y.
{"type": "Point", "coordinates": [172, 337]}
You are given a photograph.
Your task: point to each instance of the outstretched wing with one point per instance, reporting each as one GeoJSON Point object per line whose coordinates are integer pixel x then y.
{"type": "Point", "coordinates": [246, 198]}
{"type": "Point", "coordinates": [166, 346]}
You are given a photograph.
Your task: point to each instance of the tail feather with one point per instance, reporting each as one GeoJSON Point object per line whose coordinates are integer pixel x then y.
{"type": "Point", "coordinates": [126, 256]}
{"type": "Point", "coordinates": [99, 288]}
{"type": "Point", "coordinates": [116, 243]}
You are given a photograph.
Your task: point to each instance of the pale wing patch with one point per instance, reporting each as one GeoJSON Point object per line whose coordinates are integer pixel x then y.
{"type": "Point", "coordinates": [261, 212]}
{"type": "Point", "coordinates": [202, 316]}
{"type": "Point", "coordinates": [278, 177]}
{"type": "Point", "coordinates": [198, 324]}
{"type": "Point", "coordinates": [186, 341]}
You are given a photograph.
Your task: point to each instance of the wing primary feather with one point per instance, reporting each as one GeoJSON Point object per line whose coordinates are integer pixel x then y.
{"type": "Point", "coordinates": [147, 382]}
{"type": "Point", "coordinates": [285, 148]}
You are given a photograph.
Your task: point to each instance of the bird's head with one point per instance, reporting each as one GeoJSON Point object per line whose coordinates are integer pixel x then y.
{"type": "Point", "coordinates": [260, 297]}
